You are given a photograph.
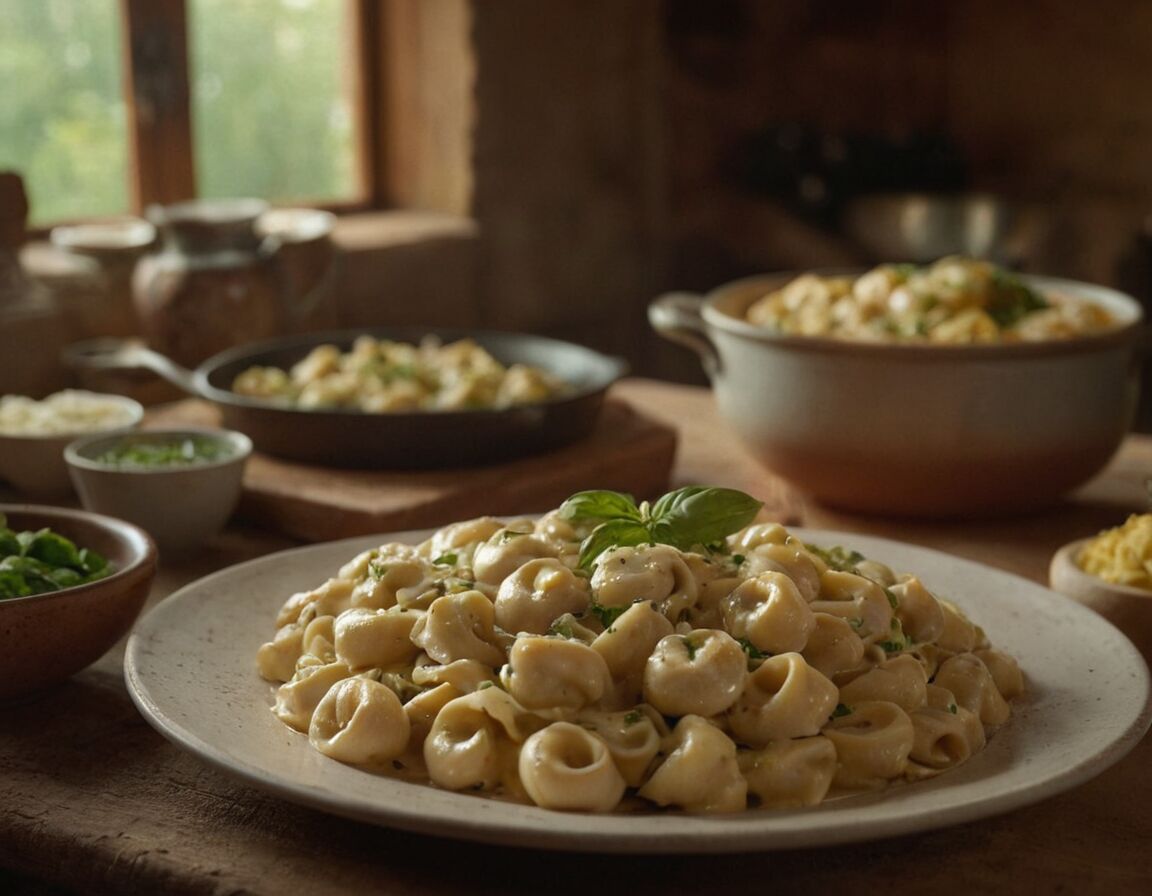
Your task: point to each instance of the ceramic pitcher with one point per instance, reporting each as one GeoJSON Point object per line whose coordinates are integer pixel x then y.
{"type": "Point", "coordinates": [221, 278]}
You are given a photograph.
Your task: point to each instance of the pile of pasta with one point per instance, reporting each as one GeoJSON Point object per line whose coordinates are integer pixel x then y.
{"type": "Point", "coordinates": [381, 375]}
{"type": "Point", "coordinates": [761, 672]}
{"type": "Point", "coordinates": [952, 301]}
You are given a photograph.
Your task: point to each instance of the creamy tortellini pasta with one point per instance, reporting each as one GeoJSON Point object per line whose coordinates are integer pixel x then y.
{"type": "Point", "coordinates": [953, 301]}
{"type": "Point", "coordinates": [380, 375]}
{"type": "Point", "coordinates": [756, 671]}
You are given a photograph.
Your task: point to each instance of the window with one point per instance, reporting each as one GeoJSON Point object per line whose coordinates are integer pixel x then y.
{"type": "Point", "coordinates": [186, 98]}
{"type": "Point", "coordinates": [62, 121]}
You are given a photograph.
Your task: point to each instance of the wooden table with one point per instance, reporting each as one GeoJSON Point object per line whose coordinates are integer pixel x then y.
{"type": "Point", "coordinates": [93, 800]}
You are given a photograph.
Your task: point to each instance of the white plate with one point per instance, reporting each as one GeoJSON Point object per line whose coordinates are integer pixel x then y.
{"type": "Point", "coordinates": [190, 667]}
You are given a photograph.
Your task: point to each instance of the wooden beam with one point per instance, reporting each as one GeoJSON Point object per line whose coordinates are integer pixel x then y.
{"type": "Point", "coordinates": [364, 24]}
{"type": "Point", "coordinates": [424, 69]}
{"type": "Point", "coordinates": [158, 99]}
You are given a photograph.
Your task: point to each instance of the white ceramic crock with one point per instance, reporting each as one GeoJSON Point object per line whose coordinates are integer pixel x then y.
{"type": "Point", "coordinates": [916, 430]}
{"type": "Point", "coordinates": [180, 506]}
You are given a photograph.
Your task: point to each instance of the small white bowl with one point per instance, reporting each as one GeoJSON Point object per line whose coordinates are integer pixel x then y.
{"type": "Point", "coordinates": [34, 463]}
{"type": "Point", "coordinates": [1126, 607]}
{"type": "Point", "coordinates": [181, 505]}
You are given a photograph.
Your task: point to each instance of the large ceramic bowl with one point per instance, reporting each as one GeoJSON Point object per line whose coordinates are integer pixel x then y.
{"type": "Point", "coordinates": [180, 503]}
{"type": "Point", "coordinates": [915, 429]}
{"type": "Point", "coordinates": [49, 637]}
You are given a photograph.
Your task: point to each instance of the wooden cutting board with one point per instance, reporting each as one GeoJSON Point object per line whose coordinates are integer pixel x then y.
{"type": "Point", "coordinates": [626, 452]}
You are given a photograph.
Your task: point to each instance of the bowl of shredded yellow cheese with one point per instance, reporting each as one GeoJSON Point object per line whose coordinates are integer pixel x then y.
{"type": "Point", "coordinates": [1121, 555]}
{"type": "Point", "coordinates": [1111, 572]}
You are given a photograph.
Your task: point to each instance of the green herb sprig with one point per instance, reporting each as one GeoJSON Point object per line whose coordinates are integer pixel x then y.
{"type": "Point", "coordinates": [1012, 299]}
{"type": "Point", "coordinates": [838, 558]}
{"type": "Point", "coordinates": [688, 517]}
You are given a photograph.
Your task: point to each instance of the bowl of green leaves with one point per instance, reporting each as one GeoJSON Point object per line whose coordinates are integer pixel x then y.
{"type": "Point", "coordinates": [71, 585]}
{"type": "Point", "coordinates": [179, 485]}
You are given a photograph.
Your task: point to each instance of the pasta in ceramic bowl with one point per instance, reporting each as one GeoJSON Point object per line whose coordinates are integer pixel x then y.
{"type": "Point", "coordinates": [955, 301]}
{"type": "Point", "coordinates": [956, 390]}
{"type": "Point", "coordinates": [613, 657]}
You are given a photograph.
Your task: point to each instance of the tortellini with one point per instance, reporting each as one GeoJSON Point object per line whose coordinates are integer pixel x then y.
{"type": "Point", "coordinates": [700, 773]}
{"type": "Point", "coordinates": [756, 672]}
{"type": "Point", "coordinates": [770, 612]}
{"type": "Point", "coordinates": [565, 766]}
{"type": "Point", "coordinates": [656, 573]}
{"type": "Point", "coordinates": [537, 593]}
{"type": "Point", "coordinates": [384, 375]}
{"type": "Point", "coordinates": [554, 672]}
{"type": "Point", "coordinates": [359, 721]}
{"type": "Point", "coordinates": [784, 698]}
{"type": "Point", "coordinates": [458, 627]}
{"type": "Point", "coordinates": [701, 672]}
{"type": "Point", "coordinates": [474, 741]}
{"type": "Point", "coordinates": [789, 774]}
{"type": "Point", "coordinates": [955, 300]}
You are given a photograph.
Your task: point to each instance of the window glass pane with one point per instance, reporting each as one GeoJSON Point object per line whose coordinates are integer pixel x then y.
{"type": "Point", "coordinates": [271, 99]}
{"type": "Point", "coordinates": [62, 124]}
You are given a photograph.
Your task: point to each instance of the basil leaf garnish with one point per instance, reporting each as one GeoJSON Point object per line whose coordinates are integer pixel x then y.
{"type": "Point", "coordinates": [614, 533]}
{"type": "Point", "coordinates": [600, 505]}
{"type": "Point", "coordinates": [702, 516]}
{"type": "Point", "coordinates": [688, 517]}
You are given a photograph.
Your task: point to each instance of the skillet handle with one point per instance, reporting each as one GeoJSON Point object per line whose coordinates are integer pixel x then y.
{"type": "Point", "coordinates": [676, 316]}
{"type": "Point", "coordinates": [121, 354]}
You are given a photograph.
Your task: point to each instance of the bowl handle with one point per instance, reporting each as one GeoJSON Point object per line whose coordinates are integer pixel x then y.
{"type": "Point", "coordinates": [676, 316]}
{"type": "Point", "coordinates": [123, 354]}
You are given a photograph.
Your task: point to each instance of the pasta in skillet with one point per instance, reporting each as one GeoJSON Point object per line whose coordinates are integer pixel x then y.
{"type": "Point", "coordinates": [579, 663]}
{"type": "Point", "coordinates": [381, 375]}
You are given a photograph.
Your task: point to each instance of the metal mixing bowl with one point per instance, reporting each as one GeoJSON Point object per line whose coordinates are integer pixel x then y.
{"type": "Point", "coordinates": [922, 227]}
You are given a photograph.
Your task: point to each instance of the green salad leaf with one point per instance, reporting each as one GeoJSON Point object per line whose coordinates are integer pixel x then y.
{"type": "Point", "coordinates": [38, 561]}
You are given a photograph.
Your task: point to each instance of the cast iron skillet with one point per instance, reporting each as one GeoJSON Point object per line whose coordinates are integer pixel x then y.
{"type": "Point", "coordinates": [403, 440]}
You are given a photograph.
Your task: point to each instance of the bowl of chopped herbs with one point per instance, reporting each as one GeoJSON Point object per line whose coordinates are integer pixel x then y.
{"type": "Point", "coordinates": [71, 585]}
{"type": "Point", "coordinates": [179, 485]}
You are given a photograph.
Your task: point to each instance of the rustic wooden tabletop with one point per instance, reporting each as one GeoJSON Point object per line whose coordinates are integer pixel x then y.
{"type": "Point", "coordinates": [93, 800]}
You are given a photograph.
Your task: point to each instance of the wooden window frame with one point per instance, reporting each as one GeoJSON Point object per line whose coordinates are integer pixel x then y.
{"type": "Point", "coordinates": [158, 98]}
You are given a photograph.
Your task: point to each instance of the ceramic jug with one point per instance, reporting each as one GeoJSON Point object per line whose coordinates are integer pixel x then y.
{"type": "Point", "coordinates": [221, 279]}
{"type": "Point", "coordinates": [104, 253]}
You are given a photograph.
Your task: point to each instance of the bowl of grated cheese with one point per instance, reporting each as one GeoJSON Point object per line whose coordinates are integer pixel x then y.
{"type": "Point", "coordinates": [1111, 573]}
{"type": "Point", "coordinates": [34, 433]}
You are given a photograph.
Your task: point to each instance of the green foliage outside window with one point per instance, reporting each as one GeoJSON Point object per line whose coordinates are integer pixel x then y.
{"type": "Point", "coordinates": [271, 110]}
{"type": "Point", "coordinates": [271, 114]}
{"type": "Point", "coordinates": [62, 123]}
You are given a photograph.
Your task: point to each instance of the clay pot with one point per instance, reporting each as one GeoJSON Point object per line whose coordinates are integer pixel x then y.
{"type": "Point", "coordinates": [220, 280]}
